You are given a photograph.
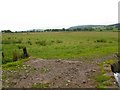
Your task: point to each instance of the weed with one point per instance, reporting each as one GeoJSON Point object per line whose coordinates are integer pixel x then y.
{"type": "Point", "coordinates": [109, 62]}
{"type": "Point", "coordinates": [59, 41]}
{"type": "Point", "coordinates": [107, 83]}
{"type": "Point", "coordinates": [110, 42]}
{"type": "Point", "coordinates": [29, 42]}
{"type": "Point", "coordinates": [13, 65]}
{"type": "Point", "coordinates": [103, 85]}
{"type": "Point", "coordinates": [44, 70]}
{"type": "Point", "coordinates": [20, 46]}
{"type": "Point", "coordinates": [52, 41]}
{"type": "Point", "coordinates": [101, 40]}
{"type": "Point", "coordinates": [42, 43]}
{"type": "Point", "coordinates": [100, 86]}
{"type": "Point", "coordinates": [9, 37]}
{"type": "Point", "coordinates": [101, 78]}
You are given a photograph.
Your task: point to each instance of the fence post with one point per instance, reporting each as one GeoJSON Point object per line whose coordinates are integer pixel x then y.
{"type": "Point", "coordinates": [3, 55]}
{"type": "Point", "coordinates": [25, 54]}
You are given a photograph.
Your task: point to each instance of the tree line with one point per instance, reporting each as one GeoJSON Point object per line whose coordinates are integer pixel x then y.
{"type": "Point", "coordinates": [60, 30]}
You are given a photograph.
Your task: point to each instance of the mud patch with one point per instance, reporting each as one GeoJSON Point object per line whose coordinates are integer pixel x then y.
{"type": "Point", "coordinates": [53, 73]}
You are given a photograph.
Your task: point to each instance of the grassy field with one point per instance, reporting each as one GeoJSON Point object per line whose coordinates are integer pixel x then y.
{"type": "Point", "coordinates": [60, 45]}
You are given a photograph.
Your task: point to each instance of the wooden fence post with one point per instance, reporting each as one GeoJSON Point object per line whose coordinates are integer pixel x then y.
{"type": "Point", "coordinates": [3, 55]}
{"type": "Point", "coordinates": [25, 54]}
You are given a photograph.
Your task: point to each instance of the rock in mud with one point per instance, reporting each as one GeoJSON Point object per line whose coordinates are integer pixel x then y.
{"type": "Point", "coordinates": [84, 81]}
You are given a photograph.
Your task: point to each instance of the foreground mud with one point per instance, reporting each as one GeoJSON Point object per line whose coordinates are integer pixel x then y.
{"type": "Point", "coordinates": [53, 74]}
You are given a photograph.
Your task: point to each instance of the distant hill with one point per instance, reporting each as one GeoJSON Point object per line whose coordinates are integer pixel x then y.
{"type": "Point", "coordinates": [115, 25]}
{"type": "Point", "coordinates": [95, 26]}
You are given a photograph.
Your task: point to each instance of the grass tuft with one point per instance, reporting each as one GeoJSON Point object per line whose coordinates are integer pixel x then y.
{"type": "Point", "coordinates": [101, 78]}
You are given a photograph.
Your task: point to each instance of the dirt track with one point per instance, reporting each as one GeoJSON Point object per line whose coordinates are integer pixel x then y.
{"type": "Point", "coordinates": [55, 74]}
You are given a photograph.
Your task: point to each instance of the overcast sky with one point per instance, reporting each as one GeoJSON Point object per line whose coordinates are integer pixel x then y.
{"type": "Point", "coordinates": [33, 14]}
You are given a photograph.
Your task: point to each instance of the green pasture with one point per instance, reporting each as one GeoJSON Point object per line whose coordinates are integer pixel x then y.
{"type": "Point", "coordinates": [60, 45]}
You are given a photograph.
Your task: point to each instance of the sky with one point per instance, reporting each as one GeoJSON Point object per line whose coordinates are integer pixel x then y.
{"type": "Point", "coordinates": [17, 15]}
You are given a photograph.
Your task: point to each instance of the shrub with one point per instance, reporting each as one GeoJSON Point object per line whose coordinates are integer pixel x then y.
{"type": "Point", "coordinates": [9, 37]}
{"type": "Point", "coordinates": [101, 40]}
{"type": "Point", "coordinates": [29, 42]}
{"type": "Point", "coordinates": [42, 43]}
{"type": "Point", "coordinates": [52, 41]}
{"type": "Point", "coordinates": [110, 41]}
{"type": "Point", "coordinates": [20, 46]}
{"type": "Point", "coordinates": [59, 41]}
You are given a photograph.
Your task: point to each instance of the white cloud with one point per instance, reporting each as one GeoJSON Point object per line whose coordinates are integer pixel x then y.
{"type": "Point", "coordinates": [28, 14]}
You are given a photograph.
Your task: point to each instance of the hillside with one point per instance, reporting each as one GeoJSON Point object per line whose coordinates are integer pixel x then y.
{"type": "Point", "coordinates": [95, 26]}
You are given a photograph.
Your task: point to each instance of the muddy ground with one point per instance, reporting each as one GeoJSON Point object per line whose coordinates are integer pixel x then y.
{"type": "Point", "coordinates": [57, 74]}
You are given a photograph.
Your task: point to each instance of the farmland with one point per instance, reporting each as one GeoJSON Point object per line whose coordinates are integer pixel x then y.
{"type": "Point", "coordinates": [57, 49]}
{"type": "Point", "coordinates": [61, 45]}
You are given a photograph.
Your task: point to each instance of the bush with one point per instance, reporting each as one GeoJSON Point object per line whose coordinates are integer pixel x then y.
{"type": "Point", "coordinates": [52, 41]}
{"type": "Point", "coordinates": [59, 41]}
{"type": "Point", "coordinates": [20, 46]}
{"type": "Point", "coordinates": [101, 40]}
{"type": "Point", "coordinates": [29, 42]}
{"type": "Point", "coordinates": [110, 41]}
{"type": "Point", "coordinates": [9, 37]}
{"type": "Point", "coordinates": [42, 43]}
